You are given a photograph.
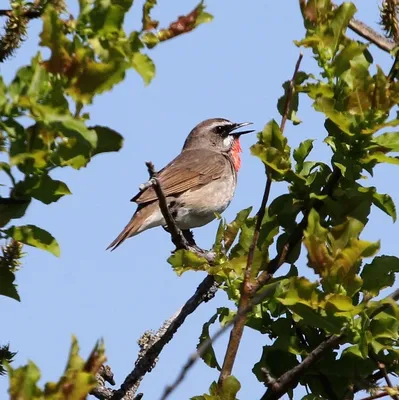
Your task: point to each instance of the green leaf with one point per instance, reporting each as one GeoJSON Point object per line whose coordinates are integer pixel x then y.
{"type": "Point", "coordinates": [34, 236]}
{"type": "Point", "coordinates": [23, 382]}
{"type": "Point", "coordinates": [230, 388]}
{"type": "Point", "coordinates": [227, 391]}
{"type": "Point", "coordinates": [272, 149]}
{"type": "Point", "coordinates": [208, 356]}
{"type": "Point", "coordinates": [385, 203]}
{"type": "Point", "coordinates": [144, 66]}
{"type": "Point", "coordinates": [185, 260]}
{"type": "Point", "coordinates": [7, 285]}
{"type": "Point", "coordinates": [300, 77]}
{"type": "Point", "coordinates": [12, 209]}
{"type": "Point", "coordinates": [340, 22]}
{"type": "Point", "coordinates": [389, 140]}
{"type": "Point", "coordinates": [72, 128]}
{"type": "Point", "coordinates": [232, 229]}
{"type": "Point", "coordinates": [108, 140]}
{"type": "Point", "coordinates": [378, 158]}
{"type": "Point", "coordinates": [42, 188]}
{"type": "Point", "coordinates": [342, 61]}
{"type": "Point", "coordinates": [379, 274]}
{"type": "Point", "coordinates": [302, 152]}
{"type": "Point", "coordinates": [276, 362]}
{"type": "Point", "coordinates": [343, 121]}
{"type": "Point", "coordinates": [96, 78]}
{"type": "Point", "coordinates": [314, 239]}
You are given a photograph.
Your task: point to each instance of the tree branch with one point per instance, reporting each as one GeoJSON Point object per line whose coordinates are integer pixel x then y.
{"type": "Point", "coordinates": [151, 344]}
{"type": "Point", "coordinates": [376, 396]}
{"type": "Point", "coordinates": [291, 377]}
{"type": "Point", "coordinates": [177, 236]}
{"type": "Point", "coordinates": [288, 380]}
{"type": "Point", "coordinates": [384, 373]}
{"type": "Point", "coordinates": [146, 361]}
{"type": "Point", "coordinates": [247, 288]}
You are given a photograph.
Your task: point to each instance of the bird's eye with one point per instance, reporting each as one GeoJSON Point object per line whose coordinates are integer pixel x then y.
{"type": "Point", "coordinates": [220, 129]}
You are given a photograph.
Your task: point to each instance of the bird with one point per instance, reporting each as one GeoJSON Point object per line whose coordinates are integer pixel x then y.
{"type": "Point", "coordinates": [198, 184]}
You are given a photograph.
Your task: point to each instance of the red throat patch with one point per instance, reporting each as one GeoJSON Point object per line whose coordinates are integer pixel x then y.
{"type": "Point", "coordinates": [235, 154]}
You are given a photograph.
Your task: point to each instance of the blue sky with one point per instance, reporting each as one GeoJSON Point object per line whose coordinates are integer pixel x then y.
{"type": "Point", "coordinates": [231, 68]}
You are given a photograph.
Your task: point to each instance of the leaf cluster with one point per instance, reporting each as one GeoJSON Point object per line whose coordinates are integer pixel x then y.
{"type": "Point", "coordinates": [323, 214]}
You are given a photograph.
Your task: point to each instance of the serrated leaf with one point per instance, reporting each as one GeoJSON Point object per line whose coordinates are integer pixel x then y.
{"type": "Point", "coordinates": [301, 153]}
{"type": "Point", "coordinates": [272, 149]}
{"type": "Point", "coordinates": [108, 140]}
{"type": "Point", "coordinates": [96, 78]}
{"type": "Point", "coordinates": [314, 239]}
{"type": "Point", "coordinates": [276, 362]}
{"type": "Point", "coordinates": [232, 229]}
{"type": "Point", "coordinates": [388, 140]}
{"type": "Point", "coordinates": [209, 356]}
{"type": "Point", "coordinates": [385, 203]}
{"type": "Point", "coordinates": [7, 285]}
{"type": "Point", "coordinates": [12, 209]}
{"type": "Point", "coordinates": [378, 157]}
{"type": "Point", "coordinates": [23, 382]}
{"type": "Point", "coordinates": [300, 77]}
{"type": "Point", "coordinates": [342, 15]}
{"type": "Point", "coordinates": [42, 188]}
{"type": "Point", "coordinates": [185, 260]}
{"type": "Point", "coordinates": [379, 274]}
{"type": "Point", "coordinates": [144, 66]}
{"type": "Point", "coordinates": [34, 236]}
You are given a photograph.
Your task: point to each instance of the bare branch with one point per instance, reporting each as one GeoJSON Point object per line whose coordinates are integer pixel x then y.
{"type": "Point", "coordinates": [177, 237]}
{"type": "Point", "coordinates": [384, 373]}
{"type": "Point", "coordinates": [145, 362]}
{"type": "Point", "coordinates": [371, 35]}
{"type": "Point", "coordinates": [152, 343]}
{"type": "Point", "coordinates": [105, 374]}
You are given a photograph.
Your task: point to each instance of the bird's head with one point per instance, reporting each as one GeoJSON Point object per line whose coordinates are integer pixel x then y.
{"type": "Point", "coordinates": [216, 134]}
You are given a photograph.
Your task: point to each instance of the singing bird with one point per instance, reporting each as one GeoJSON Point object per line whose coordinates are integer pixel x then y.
{"type": "Point", "coordinates": [198, 183]}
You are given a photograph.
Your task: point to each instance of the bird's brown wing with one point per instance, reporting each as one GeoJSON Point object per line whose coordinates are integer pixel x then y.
{"type": "Point", "coordinates": [190, 169]}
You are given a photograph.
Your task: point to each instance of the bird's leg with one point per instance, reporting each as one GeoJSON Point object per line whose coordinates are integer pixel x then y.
{"type": "Point", "coordinates": [189, 236]}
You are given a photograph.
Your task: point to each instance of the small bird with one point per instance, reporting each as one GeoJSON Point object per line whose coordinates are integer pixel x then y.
{"type": "Point", "coordinates": [198, 183]}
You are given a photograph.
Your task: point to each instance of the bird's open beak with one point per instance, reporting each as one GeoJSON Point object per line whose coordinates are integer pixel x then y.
{"type": "Point", "coordinates": [240, 125]}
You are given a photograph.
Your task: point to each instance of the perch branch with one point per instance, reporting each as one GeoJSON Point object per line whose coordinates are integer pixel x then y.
{"type": "Point", "coordinates": [177, 236]}
{"type": "Point", "coordinates": [153, 343]}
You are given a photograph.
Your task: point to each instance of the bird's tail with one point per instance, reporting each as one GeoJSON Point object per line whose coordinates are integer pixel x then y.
{"type": "Point", "coordinates": [144, 218]}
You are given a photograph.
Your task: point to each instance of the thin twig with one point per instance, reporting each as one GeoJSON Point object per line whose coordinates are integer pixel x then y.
{"type": "Point", "coordinates": [383, 370]}
{"type": "Point", "coordinates": [376, 396]}
{"type": "Point", "coordinates": [155, 342]}
{"type": "Point", "coordinates": [205, 292]}
{"type": "Point", "coordinates": [177, 237]}
{"type": "Point", "coordinates": [259, 298]}
{"type": "Point", "coordinates": [247, 289]}
{"type": "Point", "coordinates": [207, 343]}
{"type": "Point", "coordinates": [290, 93]}
{"type": "Point", "coordinates": [291, 377]}
{"type": "Point", "coordinates": [246, 292]}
